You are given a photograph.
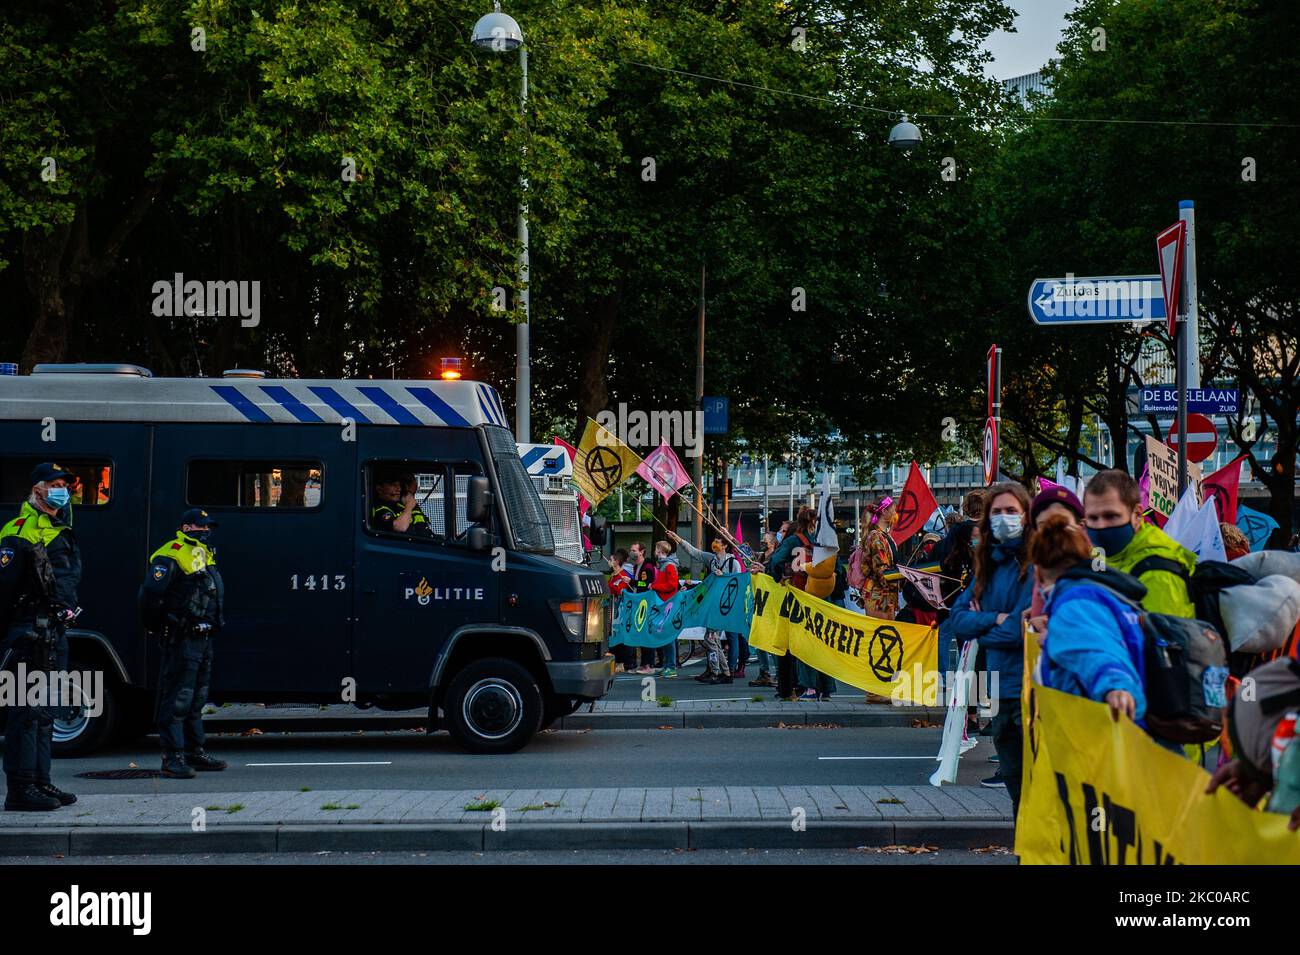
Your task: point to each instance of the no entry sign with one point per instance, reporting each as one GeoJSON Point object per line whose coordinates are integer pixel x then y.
{"type": "Point", "coordinates": [1202, 437]}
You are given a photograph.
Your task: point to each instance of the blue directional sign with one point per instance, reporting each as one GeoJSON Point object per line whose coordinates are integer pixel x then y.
{"type": "Point", "coordinates": [715, 415]}
{"type": "Point", "coordinates": [1163, 399]}
{"type": "Point", "coordinates": [1088, 301]}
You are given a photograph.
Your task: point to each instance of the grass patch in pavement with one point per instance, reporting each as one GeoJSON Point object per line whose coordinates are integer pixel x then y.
{"type": "Point", "coordinates": [236, 807]}
{"type": "Point", "coordinates": [664, 700]}
{"type": "Point", "coordinates": [486, 806]}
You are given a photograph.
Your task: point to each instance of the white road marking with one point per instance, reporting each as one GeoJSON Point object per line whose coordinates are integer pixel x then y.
{"type": "Point", "coordinates": [877, 757]}
{"type": "Point", "coordinates": [387, 762]}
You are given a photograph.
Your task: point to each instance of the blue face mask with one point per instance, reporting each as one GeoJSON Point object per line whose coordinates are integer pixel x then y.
{"type": "Point", "coordinates": [1112, 540]}
{"type": "Point", "coordinates": [58, 497]}
{"type": "Point", "coordinates": [1006, 527]}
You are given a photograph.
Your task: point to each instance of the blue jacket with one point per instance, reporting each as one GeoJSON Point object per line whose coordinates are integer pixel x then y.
{"type": "Point", "coordinates": [1004, 643]}
{"type": "Point", "coordinates": [1094, 643]}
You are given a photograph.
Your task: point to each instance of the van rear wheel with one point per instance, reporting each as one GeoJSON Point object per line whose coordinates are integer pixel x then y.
{"type": "Point", "coordinates": [78, 729]}
{"type": "Point", "coordinates": [493, 706]}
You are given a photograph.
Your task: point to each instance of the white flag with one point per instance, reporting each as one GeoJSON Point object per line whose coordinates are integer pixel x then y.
{"type": "Point", "coordinates": [826, 543]}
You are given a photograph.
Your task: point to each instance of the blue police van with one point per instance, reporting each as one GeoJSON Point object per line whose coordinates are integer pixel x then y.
{"type": "Point", "coordinates": [475, 619]}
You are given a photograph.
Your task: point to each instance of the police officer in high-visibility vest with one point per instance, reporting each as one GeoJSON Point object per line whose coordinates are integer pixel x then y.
{"type": "Point", "coordinates": [395, 508]}
{"type": "Point", "coordinates": [40, 571]}
{"type": "Point", "coordinates": [182, 601]}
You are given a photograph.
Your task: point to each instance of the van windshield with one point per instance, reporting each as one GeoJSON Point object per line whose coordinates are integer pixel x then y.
{"type": "Point", "coordinates": [528, 522]}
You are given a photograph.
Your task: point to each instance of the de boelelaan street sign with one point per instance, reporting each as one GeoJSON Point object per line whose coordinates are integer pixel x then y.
{"type": "Point", "coordinates": [1136, 299]}
{"type": "Point", "coordinates": [1163, 399]}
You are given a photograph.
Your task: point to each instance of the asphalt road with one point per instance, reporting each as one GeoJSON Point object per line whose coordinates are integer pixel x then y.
{"type": "Point", "coordinates": [565, 758]}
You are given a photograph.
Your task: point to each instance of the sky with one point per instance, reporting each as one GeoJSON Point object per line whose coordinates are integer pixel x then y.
{"type": "Point", "coordinates": [1038, 30]}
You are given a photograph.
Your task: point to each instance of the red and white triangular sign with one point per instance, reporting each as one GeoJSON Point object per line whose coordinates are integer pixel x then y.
{"type": "Point", "coordinates": [1169, 249]}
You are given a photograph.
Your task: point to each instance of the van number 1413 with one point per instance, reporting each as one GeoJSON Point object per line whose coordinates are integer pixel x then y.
{"type": "Point", "coordinates": [318, 582]}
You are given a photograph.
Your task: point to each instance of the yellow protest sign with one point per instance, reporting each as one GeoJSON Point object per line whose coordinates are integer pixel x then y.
{"type": "Point", "coordinates": [603, 463]}
{"type": "Point", "coordinates": [1097, 791]}
{"type": "Point", "coordinates": [861, 651]}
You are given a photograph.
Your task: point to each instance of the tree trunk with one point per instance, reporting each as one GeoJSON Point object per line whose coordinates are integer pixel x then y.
{"type": "Point", "coordinates": [593, 384]}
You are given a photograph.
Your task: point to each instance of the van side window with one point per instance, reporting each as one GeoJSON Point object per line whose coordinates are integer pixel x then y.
{"type": "Point", "coordinates": [253, 484]}
{"type": "Point", "coordinates": [407, 499]}
{"type": "Point", "coordinates": [93, 486]}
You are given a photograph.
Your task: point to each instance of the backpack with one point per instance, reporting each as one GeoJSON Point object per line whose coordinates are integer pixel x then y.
{"type": "Point", "coordinates": [1204, 585]}
{"type": "Point", "coordinates": [855, 577]}
{"type": "Point", "coordinates": [1185, 674]}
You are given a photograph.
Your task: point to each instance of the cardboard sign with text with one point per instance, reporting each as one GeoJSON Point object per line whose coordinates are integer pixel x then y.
{"type": "Point", "coordinates": [1162, 467]}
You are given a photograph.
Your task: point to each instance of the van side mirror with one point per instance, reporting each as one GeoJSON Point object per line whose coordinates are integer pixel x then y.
{"type": "Point", "coordinates": [478, 501]}
{"type": "Point", "coordinates": [478, 538]}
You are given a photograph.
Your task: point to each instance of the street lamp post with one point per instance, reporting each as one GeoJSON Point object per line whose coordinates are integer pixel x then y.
{"type": "Point", "coordinates": [499, 33]}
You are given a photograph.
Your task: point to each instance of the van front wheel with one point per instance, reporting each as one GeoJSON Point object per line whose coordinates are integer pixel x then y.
{"type": "Point", "coordinates": [493, 706]}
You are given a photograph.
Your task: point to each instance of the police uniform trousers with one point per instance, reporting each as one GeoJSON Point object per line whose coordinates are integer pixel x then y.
{"type": "Point", "coordinates": [29, 730]}
{"type": "Point", "coordinates": [184, 678]}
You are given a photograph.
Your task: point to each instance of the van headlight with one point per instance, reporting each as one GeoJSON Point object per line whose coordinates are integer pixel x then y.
{"type": "Point", "coordinates": [583, 618]}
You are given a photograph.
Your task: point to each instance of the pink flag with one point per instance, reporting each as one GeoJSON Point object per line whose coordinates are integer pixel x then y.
{"type": "Point", "coordinates": [663, 471]}
{"type": "Point", "coordinates": [740, 539]}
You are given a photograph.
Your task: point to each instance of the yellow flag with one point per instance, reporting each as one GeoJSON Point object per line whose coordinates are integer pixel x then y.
{"type": "Point", "coordinates": [604, 462]}
{"type": "Point", "coordinates": [887, 657]}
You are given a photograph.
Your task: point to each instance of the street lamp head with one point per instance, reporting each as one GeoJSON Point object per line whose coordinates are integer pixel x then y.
{"type": "Point", "coordinates": [905, 136]}
{"type": "Point", "coordinates": [497, 32]}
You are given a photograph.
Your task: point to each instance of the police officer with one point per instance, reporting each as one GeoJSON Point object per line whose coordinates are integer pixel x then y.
{"type": "Point", "coordinates": [182, 601]}
{"type": "Point", "coordinates": [40, 570]}
{"type": "Point", "coordinates": [395, 508]}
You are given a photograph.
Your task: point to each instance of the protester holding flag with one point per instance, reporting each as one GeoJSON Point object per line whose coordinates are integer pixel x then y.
{"type": "Point", "coordinates": [990, 610]}
{"type": "Point", "coordinates": [720, 560]}
{"type": "Point", "coordinates": [956, 552]}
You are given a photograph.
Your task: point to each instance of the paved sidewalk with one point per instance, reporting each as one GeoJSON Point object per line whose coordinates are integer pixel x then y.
{"type": "Point", "coordinates": [372, 820]}
{"type": "Point", "coordinates": [618, 714]}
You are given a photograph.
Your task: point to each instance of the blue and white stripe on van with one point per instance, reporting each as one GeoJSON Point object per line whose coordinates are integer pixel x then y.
{"type": "Point", "coordinates": [74, 397]}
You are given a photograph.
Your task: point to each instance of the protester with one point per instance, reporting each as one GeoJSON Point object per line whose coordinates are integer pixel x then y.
{"type": "Point", "coordinates": [760, 564]}
{"type": "Point", "coordinates": [1235, 543]}
{"type": "Point", "coordinates": [879, 597]}
{"type": "Point", "coordinates": [1112, 512]}
{"type": "Point", "coordinates": [643, 578]}
{"type": "Point", "coordinates": [783, 568]}
{"type": "Point", "coordinates": [666, 584]}
{"type": "Point", "coordinates": [719, 560]}
{"type": "Point", "coordinates": [990, 610]}
{"type": "Point", "coordinates": [1262, 728]}
{"type": "Point", "coordinates": [1096, 644]}
{"type": "Point", "coordinates": [1053, 501]}
{"type": "Point", "coordinates": [620, 581]}
{"type": "Point", "coordinates": [956, 552]}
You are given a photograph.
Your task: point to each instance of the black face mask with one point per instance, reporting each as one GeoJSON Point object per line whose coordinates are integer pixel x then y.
{"type": "Point", "coordinates": [203, 537]}
{"type": "Point", "coordinates": [1112, 540]}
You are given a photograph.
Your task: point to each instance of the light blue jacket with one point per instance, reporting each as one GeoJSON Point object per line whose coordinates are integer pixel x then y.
{"type": "Point", "coordinates": [1094, 644]}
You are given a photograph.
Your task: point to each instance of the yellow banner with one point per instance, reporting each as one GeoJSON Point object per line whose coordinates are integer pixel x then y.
{"type": "Point", "coordinates": [604, 462]}
{"type": "Point", "coordinates": [861, 651]}
{"type": "Point", "coordinates": [1096, 791]}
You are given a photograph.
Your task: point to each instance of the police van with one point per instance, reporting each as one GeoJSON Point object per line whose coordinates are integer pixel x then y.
{"type": "Point", "coordinates": [476, 619]}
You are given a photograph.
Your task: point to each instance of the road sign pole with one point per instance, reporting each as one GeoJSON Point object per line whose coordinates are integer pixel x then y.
{"type": "Point", "coordinates": [698, 520]}
{"type": "Point", "coordinates": [1180, 376]}
{"type": "Point", "coordinates": [1192, 369]}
